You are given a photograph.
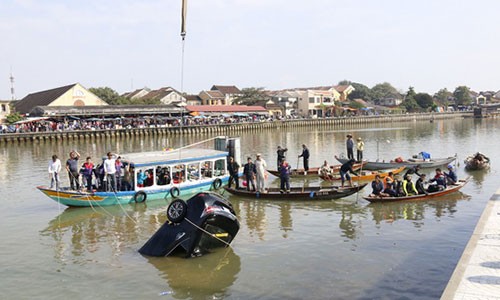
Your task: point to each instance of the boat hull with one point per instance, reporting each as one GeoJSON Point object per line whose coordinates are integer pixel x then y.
{"type": "Point", "coordinates": [365, 177]}
{"type": "Point", "coordinates": [313, 172]}
{"type": "Point", "coordinates": [377, 165]}
{"type": "Point", "coordinates": [71, 198]}
{"type": "Point", "coordinates": [450, 189]}
{"type": "Point", "coordinates": [299, 193]}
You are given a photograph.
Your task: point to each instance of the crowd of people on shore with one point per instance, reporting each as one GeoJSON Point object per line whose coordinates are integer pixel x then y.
{"type": "Point", "coordinates": [42, 125]}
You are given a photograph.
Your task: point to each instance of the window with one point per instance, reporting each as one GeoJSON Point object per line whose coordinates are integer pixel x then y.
{"type": "Point", "coordinates": [163, 176]}
{"type": "Point", "coordinates": [207, 169]}
{"type": "Point", "coordinates": [4, 107]}
{"type": "Point", "coordinates": [178, 173]}
{"type": "Point", "coordinates": [220, 167]}
{"type": "Point", "coordinates": [149, 181]}
{"type": "Point", "coordinates": [311, 99]}
{"type": "Point", "coordinates": [193, 171]}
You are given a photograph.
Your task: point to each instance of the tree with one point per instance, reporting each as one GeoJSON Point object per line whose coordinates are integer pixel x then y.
{"type": "Point", "coordinates": [13, 117]}
{"type": "Point", "coordinates": [462, 95]}
{"type": "Point", "coordinates": [109, 95]}
{"type": "Point", "coordinates": [384, 90]}
{"type": "Point", "coordinates": [443, 96]}
{"type": "Point", "coordinates": [250, 96]}
{"type": "Point", "coordinates": [424, 100]}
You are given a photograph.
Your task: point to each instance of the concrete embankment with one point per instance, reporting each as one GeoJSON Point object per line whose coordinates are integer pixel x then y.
{"type": "Point", "coordinates": [477, 274]}
{"type": "Point", "coordinates": [223, 129]}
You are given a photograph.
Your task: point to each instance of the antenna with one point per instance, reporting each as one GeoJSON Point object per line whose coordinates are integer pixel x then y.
{"type": "Point", "coordinates": [12, 93]}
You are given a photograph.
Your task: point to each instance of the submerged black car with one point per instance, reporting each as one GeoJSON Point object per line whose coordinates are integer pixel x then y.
{"type": "Point", "coordinates": [195, 226]}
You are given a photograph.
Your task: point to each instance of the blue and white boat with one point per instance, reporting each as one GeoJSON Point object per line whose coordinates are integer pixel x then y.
{"type": "Point", "coordinates": [172, 174]}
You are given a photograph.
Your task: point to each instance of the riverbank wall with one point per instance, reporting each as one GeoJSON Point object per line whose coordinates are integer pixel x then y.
{"type": "Point", "coordinates": [224, 129]}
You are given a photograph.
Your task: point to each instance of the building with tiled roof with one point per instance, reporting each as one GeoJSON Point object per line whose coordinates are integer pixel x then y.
{"type": "Point", "coordinates": [213, 98]}
{"type": "Point", "coordinates": [165, 95]}
{"type": "Point", "coordinates": [230, 92]}
{"type": "Point", "coordinates": [193, 100]}
{"type": "Point", "coordinates": [70, 95]}
{"type": "Point", "coordinates": [226, 109]}
{"type": "Point", "coordinates": [4, 110]}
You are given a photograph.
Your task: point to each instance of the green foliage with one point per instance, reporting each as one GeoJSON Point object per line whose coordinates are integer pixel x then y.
{"type": "Point", "coordinates": [410, 104]}
{"type": "Point", "coordinates": [443, 96]}
{"type": "Point", "coordinates": [356, 105]}
{"type": "Point", "coordinates": [109, 95]}
{"type": "Point", "coordinates": [250, 96]}
{"type": "Point", "coordinates": [424, 100]}
{"type": "Point", "coordinates": [384, 90]}
{"type": "Point", "coordinates": [462, 95]}
{"type": "Point", "coordinates": [13, 117]}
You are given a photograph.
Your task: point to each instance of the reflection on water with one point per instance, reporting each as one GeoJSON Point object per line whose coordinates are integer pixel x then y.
{"type": "Point", "coordinates": [78, 232]}
{"type": "Point", "coordinates": [208, 276]}
{"type": "Point", "coordinates": [416, 210]}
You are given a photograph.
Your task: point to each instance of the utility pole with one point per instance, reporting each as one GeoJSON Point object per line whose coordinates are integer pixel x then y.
{"type": "Point", "coordinates": [12, 93]}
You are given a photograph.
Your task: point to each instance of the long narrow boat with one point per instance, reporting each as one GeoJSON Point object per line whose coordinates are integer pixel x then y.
{"type": "Point", "coordinates": [173, 174]}
{"type": "Point", "coordinates": [313, 172]}
{"type": "Point", "coordinates": [299, 193]}
{"type": "Point", "coordinates": [365, 175]}
{"type": "Point", "coordinates": [449, 189]}
{"type": "Point", "coordinates": [423, 163]}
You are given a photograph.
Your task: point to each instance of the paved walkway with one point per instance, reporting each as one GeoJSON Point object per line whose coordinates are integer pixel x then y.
{"type": "Point", "coordinates": [477, 275]}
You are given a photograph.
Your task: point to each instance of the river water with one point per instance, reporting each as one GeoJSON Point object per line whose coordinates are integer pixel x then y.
{"type": "Point", "coordinates": [342, 249]}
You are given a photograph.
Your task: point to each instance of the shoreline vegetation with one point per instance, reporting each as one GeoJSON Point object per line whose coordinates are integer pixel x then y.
{"type": "Point", "coordinates": [225, 129]}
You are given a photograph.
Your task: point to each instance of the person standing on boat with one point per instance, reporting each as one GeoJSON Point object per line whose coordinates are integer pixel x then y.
{"type": "Point", "coordinates": [349, 143]}
{"type": "Point", "coordinates": [360, 146]}
{"type": "Point", "coordinates": [54, 170]}
{"type": "Point", "coordinates": [249, 171]}
{"type": "Point", "coordinates": [119, 173]}
{"type": "Point", "coordinates": [261, 166]}
{"type": "Point", "coordinates": [233, 168]}
{"type": "Point", "coordinates": [345, 169]}
{"type": "Point", "coordinates": [73, 171]}
{"type": "Point", "coordinates": [285, 177]}
{"type": "Point", "coordinates": [87, 170]}
{"type": "Point", "coordinates": [451, 176]}
{"type": "Point", "coordinates": [281, 156]}
{"type": "Point", "coordinates": [305, 156]}
{"type": "Point", "coordinates": [110, 171]}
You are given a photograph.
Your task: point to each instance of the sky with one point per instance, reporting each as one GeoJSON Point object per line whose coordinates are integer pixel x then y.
{"type": "Point", "coordinates": [273, 44]}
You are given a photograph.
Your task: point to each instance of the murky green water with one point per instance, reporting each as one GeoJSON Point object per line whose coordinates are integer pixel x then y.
{"type": "Point", "coordinates": [344, 249]}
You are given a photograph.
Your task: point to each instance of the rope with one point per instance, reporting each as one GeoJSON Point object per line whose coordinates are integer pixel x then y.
{"type": "Point", "coordinates": [210, 234]}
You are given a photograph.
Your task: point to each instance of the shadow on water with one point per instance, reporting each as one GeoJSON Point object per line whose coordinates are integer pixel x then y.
{"type": "Point", "coordinates": [205, 277]}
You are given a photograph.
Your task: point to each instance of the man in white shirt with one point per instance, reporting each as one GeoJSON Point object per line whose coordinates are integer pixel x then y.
{"type": "Point", "coordinates": [110, 171]}
{"type": "Point", "coordinates": [261, 166]}
{"type": "Point", "coordinates": [54, 170]}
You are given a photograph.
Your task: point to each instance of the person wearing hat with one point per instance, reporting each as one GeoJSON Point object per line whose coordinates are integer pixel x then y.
{"type": "Point", "coordinates": [349, 143]}
{"type": "Point", "coordinates": [281, 156]}
{"type": "Point", "coordinates": [261, 166]}
{"type": "Point", "coordinates": [451, 176]}
{"type": "Point", "coordinates": [305, 155]}
{"type": "Point", "coordinates": [360, 146]}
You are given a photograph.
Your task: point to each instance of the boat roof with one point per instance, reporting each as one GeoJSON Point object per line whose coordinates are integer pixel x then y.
{"type": "Point", "coordinates": [154, 158]}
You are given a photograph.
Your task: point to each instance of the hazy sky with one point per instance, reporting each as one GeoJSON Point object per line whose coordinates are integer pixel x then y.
{"type": "Point", "coordinates": [275, 44]}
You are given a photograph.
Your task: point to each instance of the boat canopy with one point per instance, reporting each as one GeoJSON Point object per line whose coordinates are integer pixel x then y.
{"type": "Point", "coordinates": [145, 159]}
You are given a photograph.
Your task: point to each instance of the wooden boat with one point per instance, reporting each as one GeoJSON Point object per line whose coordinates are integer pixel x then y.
{"type": "Point", "coordinates": [365, 175]}
{"type": "Point", "coordinates": [313, 172]}
{"type": "Point", "coordinates": [299, 193]}
{"type": "Point", "coordinates": [385, 165]}
{"type": "Point", "coordinates": [477, 161]}
{"type": "Point", "coordinates": [175, 173]}
{"type": "Point", "coordinates": [449, 189]}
